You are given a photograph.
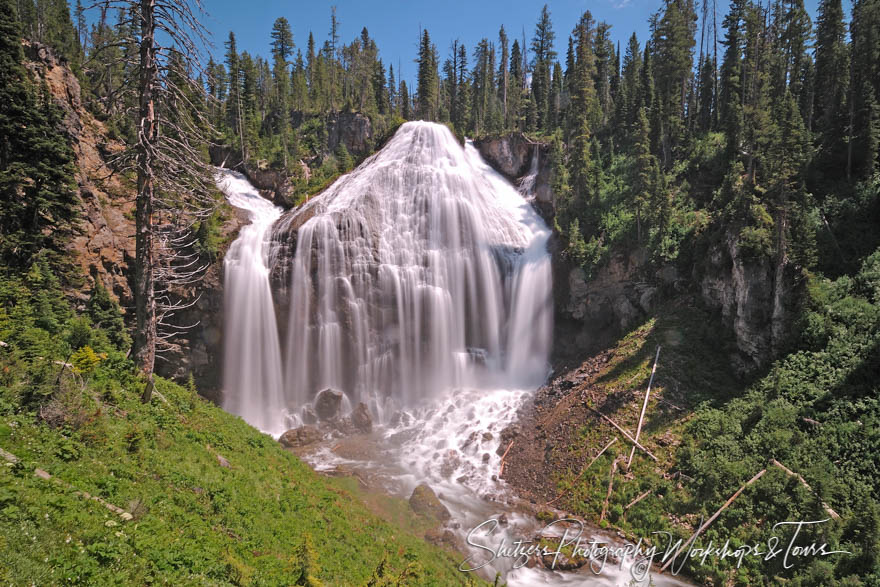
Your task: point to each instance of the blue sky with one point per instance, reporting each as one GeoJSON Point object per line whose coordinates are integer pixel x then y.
{"type": "Point", "coordinates": [395, 24]}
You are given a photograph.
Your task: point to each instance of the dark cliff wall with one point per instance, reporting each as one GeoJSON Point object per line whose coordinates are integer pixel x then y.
{"type": "Point", "coordinates": [753, 299]}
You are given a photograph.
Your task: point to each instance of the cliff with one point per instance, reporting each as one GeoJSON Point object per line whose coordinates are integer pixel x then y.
{"type": "Point", "coordinates": [750, 297]}
{"type": "Point", "coordinates": [517, 158]}
{"type": "Point", "coordinates": [104, 248]}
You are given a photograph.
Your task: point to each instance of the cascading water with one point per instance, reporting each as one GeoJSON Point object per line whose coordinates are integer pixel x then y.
{"type": "Point", "coordinates": [527, 184]}
{"type": "Point", "coordinates": [252, 375]}
{"type": "Point", "coordinates": [419, 284]}
{"type": "Point", "coordinates": [421, 271]}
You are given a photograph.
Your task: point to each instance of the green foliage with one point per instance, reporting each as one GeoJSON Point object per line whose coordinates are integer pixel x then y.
{"type": "Point", "coordinates": [38, 205]}
{"type": "Point", "coordinates": [85, 361]}
{"type": "Point", "coordinates": [816, 412]}
{"type": "Point", "coordinates": [106, 315]}
{"type": "Point", "coordinates": [266, 520]}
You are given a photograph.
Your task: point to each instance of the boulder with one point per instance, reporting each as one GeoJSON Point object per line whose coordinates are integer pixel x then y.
{"type": "Point", "coordinates": [327, 404]}
{"type": "Point", "coordinates": [309, 416]}
{"type": "Point", "coordinates": [425, 502]}
{"type": "Point", "coordinates": [361, 418]}
{"type": "Point", "coordinates": [302, 436]}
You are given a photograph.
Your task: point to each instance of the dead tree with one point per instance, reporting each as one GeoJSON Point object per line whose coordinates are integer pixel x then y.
{"type": "Point", "coordinates": [175, 188]}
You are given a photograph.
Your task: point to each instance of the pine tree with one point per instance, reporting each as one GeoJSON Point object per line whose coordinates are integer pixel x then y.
{"type": "Point", "coordinates": [864, 107]}
{"type": "Point", "coordinates": [730, 100]}
{"type": "Point", "coordinates": [38, 205]}
{"type": "Point", "coordinates": [672, 43]}
{"type": "Point", "coordinates": [426, 90]}
{"type": "Point", "coordinates": [282, 49]}
{"type": "Point", "coordinates": [392, 91]}
{"type": "Point", "coordinates": [646, 173]}
{"type": "Point", "coordinates": [604, 71]}
{"type": "Point", "coordinates": [706, 95]}
{"type": "Point", "coordinates": [515, 99]}
{"type": "Point", "coordinates": [405, 112]}
{"type": "Point", "coordinates": [543, 56]}
{"type": "Point", "coordinates": [795, 36]}
{"type": "Point", "coordinates": [82, 31]}
{"type": "Point", "coordinates": [629, 100]}
{"type": "Point", "coordinates": [234, 119]}
{"type": "Point", "coordinates": [584, 114]}
{"type": "Point", "coordinates": [755, 88]}
{"type": "Point", "coordinates": [555, 103]}
{"type": "Point", "coordinates": [832, 68]}
{"type": "Point", "coordinates": [503, 75]}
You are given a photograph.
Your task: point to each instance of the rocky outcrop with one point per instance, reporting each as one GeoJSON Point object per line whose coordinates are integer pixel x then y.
{"type": "Point", "coordinates": [274, 184]}
{"type": "Point", "coordinates": [104, 248]}
{"type": "Point", "coordinates": [327, 404]}
{"type": "Point", "coordinates": [361, 418]}
{"type": "Point", "coordinates": [302, 436]}
{"type": "Point", "coordinates": [520, 159]}
{"type": "Point", "coordinates": [750, 297]}
{"type": "Point", "coordinates": [352, 129]}
{"type": "Point", "coordinates": [593, 310]}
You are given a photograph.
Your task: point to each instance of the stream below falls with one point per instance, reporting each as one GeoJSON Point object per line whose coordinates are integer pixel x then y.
{"type": "Point", "coordinates": [418, 288]}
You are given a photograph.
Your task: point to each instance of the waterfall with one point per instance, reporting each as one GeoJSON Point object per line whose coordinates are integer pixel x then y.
{"type": "Point", "coordinates": [527, 184]}
{"type": "Point", "coordinates": [252, 374]}
{"type": "Point", "coordinates": [420, 272]}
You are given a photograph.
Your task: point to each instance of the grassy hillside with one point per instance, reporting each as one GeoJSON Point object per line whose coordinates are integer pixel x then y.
{"type": "Point", "coordinates": [815, 411]}
{"type": "Point", "coordinates": [213, 500]}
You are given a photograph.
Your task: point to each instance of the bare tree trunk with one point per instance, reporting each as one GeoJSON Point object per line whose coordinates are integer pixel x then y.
{"type": "Point", "coordinates": [145, 301]}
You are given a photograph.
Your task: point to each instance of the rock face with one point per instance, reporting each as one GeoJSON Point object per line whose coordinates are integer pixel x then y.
{"type": "Point", "coordinates": [105, 247]}
{"type": "Point", "coordinates": [750, 298]}
{"type": "Point", "coordinates": [273, 184]}
{"type": "Point", "coordinates": [361, 418]}
{"type": "Point", "coordinates": [592, 311]}
{"type": "Point", "coordinates": [327, 404]}
{"type": "Point", "coordinates": [424, 501]}
{"type": "Point", "coordinates": [513, 155]}
{"type": "Point", "coordinates": [302, 436]}
{"type": "Point", "coordinates": [352, 129]}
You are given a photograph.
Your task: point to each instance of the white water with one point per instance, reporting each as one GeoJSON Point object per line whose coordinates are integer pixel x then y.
{"type": "Point", "coordinates": [420, 285]}
{"type": "Point", "coordinates": [252, 378]}
{"type": "Point", "coordinates": [420, 272]}
{"type": "Point", "coordinates": [527, 184]}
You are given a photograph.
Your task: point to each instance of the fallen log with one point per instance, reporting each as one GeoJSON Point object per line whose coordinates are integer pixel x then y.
{"type": "Point", "coordinates": [622, 431]}
{"type": "Point", "coordinates": [637, 500]}
{"type": "Point", "coordinates": [610, 488]}
{"type": "Point", "coordinates": [712, 519]}
{"type": "Point", "coordinates": [644, 407]}
{"type": "Point", "coordinates": [791, 473]}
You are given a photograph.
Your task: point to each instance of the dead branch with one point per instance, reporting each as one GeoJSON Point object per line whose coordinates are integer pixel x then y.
{"type": "Point", "coordinates": [622, 431]}
{"type": "Point", "coordinates": [504, 456]}
{"type": "Point", "coordinates": [584, 470]}
{"type": "Point", "coordinates": [644, 408]}
{"type": "Point", "coordinates": [712, 519]}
